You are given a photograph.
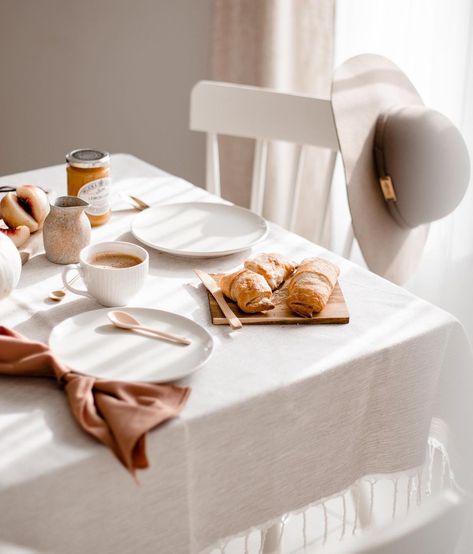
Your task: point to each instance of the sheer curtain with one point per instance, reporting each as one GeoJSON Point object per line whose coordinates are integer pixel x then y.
{"type": "Point", "coordinates": [285, 45]}
{"type": "Point", "coordinates": [431, 41]}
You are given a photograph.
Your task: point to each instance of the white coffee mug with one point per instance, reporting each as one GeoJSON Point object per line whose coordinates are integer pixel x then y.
{"type": "Point", "coordinates": [110, 286]}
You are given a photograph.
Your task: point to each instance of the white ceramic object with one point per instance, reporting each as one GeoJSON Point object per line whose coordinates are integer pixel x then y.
{"type": "Point", "coordinates": [199, 229]}
{"type": "Point", "coordinates": [109, 286]}
{"type": "Point", "coordinates": [89, 343]}
{"type": "Point", "coordinates": [10, 266]}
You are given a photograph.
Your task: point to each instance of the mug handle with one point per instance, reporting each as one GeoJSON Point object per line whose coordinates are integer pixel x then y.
{"type": "Point", "coordinates": [65, 273]}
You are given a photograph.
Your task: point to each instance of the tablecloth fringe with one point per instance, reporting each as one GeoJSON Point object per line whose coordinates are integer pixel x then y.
{"type": "Point", "coordinates": [419, 483]}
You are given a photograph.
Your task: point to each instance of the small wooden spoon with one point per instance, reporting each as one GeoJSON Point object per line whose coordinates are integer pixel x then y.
{"type": "Point", "coordinates": [58, 295]}
{"type": "Point", "coordinates": [124, 320]}
{"type": "Point", "coordinates": [136, 202]}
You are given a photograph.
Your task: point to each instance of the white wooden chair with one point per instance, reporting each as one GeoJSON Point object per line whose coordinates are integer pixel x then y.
{"type": "Point", "coordinates": [434, 528]}
{"type": "Point", "coordinates": [264, 115]}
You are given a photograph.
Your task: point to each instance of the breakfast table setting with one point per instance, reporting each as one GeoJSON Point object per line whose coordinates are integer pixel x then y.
{"type": "Point", "coordinates": [153, 419]}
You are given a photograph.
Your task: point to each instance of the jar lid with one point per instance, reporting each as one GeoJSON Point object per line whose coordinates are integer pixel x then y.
{"type": "Point", "coordinates": [88, 157]}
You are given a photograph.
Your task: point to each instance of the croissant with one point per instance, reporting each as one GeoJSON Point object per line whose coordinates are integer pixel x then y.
{"type": "Point", "coordinates": [273, 267]}
{"type": "Point", "coordinates": [248, 289]}
{"type": "Point", "coordinates": [311, 286]}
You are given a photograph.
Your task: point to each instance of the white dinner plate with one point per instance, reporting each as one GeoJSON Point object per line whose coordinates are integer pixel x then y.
{"type": "Point", "coordinates": [199, 229]}
{"type": "Point", "coordinates": [90, 344]}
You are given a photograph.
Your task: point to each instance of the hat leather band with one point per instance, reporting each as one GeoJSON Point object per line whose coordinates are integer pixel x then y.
{"type": "Point", "coordinates": [384, 179]}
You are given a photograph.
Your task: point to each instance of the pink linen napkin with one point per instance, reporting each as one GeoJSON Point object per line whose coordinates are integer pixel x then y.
{"type": "Point", "coordinates": [118, 414]}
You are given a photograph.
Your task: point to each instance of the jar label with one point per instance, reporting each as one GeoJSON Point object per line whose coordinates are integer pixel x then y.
{"type": "Point", "coordinates": [97, 194]}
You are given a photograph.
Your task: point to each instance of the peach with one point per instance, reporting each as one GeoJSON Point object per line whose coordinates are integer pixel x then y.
{"type": "Point", "coordinates": [19, 235]}
{"type": "Point", "coordinates": [15, 215]}
{"type": "Point", "coordinates": [29, 206]}
{"type": "Point", "coordinates": [34, 201]}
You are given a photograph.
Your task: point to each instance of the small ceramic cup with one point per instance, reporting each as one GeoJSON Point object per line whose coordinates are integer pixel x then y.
{"type": "Point", "coordinates": [110, 286]}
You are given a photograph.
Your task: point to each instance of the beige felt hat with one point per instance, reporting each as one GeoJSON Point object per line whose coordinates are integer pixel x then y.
{"type": "Point", "coordinates": [405, 164]}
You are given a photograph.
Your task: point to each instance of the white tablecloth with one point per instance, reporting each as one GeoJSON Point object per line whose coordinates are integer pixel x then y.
{"type": "Point", "coordinates": [278, 418]}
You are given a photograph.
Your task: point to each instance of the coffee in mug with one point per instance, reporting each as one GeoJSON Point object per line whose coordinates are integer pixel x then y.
{"type": "Point", "coordinates": [117, 260]}
{"type": "Point", "coordinates": [112, 272]}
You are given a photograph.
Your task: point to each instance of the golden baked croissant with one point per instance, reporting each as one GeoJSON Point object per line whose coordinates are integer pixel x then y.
{"type": "Point", "coordinates": [273, 267]}
{"type": "Point", "coordinates": [249, 290]}
{"type": "Point", "coordinates": [311, 286]}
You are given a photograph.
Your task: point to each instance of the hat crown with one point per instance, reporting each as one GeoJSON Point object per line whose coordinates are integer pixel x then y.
{"type": "Point", "coordinates": [427, 159]}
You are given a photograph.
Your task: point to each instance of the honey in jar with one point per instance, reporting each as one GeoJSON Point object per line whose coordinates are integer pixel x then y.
{"type": "Point", "coordinates": [88, 177]}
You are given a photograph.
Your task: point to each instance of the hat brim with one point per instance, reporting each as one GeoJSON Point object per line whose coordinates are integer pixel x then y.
{"type": "Point", "coordinates": [363, 88]}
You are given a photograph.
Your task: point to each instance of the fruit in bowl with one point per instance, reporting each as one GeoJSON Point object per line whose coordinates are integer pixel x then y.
{"type": "Point", "coordinates": [23, 212]}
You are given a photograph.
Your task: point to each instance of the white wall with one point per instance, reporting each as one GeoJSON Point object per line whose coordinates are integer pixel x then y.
{"type": "Point", "coordinates": [115, 74]}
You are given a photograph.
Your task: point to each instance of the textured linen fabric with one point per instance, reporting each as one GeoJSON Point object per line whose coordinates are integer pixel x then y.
{"type": "Point", "coordinates": [279, 417]}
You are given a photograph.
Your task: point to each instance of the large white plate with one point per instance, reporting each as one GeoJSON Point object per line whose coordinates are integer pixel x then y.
{"type": "Point", "coordinates": [90, 344]}
{"type": "Point", "coordinates": [199, 229]}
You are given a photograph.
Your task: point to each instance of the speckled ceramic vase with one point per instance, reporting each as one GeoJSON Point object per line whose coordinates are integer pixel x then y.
{"type": "Point", "coordinates": [66, 230]}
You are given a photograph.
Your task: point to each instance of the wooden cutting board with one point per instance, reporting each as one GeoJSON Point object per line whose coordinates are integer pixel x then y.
{"type": "Point", "coordinates": [336, 311]}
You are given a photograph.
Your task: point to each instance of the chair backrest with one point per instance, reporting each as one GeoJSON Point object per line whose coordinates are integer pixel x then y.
{"type": "Point", "coordinates": [262, 114]}
{"type": "Point", "coordinates": [432, 529]}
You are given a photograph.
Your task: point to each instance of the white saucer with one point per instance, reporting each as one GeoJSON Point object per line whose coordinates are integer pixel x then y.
{"type": "Point", "coordinates": [199, 229]}
{"type": "Point", "coordinates": [89, 343]}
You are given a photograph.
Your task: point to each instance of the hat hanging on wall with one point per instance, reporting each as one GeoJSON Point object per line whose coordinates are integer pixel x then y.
{"type": "Point", "coordinates": [405, 164]}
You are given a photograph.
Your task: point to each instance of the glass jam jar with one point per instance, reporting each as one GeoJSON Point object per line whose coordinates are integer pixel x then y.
{"type": "Point", "coordinates": [88, 177]}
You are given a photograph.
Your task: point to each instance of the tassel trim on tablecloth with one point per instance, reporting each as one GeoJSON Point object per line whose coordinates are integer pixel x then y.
{"type": "Point", "coordinates": [420, 483]}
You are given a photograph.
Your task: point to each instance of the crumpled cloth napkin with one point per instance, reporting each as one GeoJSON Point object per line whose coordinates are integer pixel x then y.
{"type": "Point", "coordinates": [117, 413]}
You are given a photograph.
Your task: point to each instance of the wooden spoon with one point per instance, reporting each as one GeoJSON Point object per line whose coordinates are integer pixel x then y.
{"type": "Point", "coordinates": [124, 320]}
{"type": "Point", "coordinates": [136, 202]}
{"type": "Point", "coordinates": [58, 295]}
